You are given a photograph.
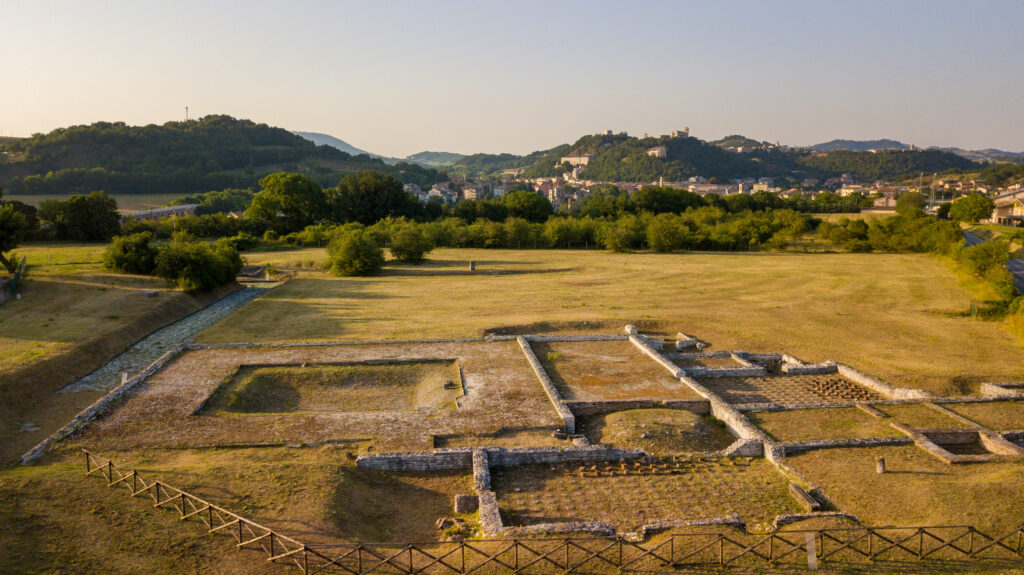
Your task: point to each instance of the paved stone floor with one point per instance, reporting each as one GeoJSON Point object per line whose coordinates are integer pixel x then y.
{"type": "Point", "coordinates": [636, 494]}
{"type": "Point", "coordinates": [788, 390]}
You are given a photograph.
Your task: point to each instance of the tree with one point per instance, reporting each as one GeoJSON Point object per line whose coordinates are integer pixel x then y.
{"type": "Point", "coordinates": [910, 204]}
{"type": "Point", "coordinates": [82, 218]}
{"type": "Point", "coordinates": [371, 196]}
{"type": "Point", "coordinates": [409, 245]}
{"type": "Point", "coordinates": [287, 203]}
{"type": "Point", "coordinates": [665, 233]}
{"type": "Point", "coordinates": [131, 254]}
{"type": "Point", "coordinates": [971, 208]}
{"type": "Point", "coordinates": [528, 205]}
{"type": "Point", "coordinates": [197, 266]}
{"type": "Point", "coordinates": [13, 228]}
{"type": "Point", "coordinates": [354, 254]}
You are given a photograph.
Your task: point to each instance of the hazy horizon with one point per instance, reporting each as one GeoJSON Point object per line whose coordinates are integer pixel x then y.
{"type": "Point", "coordinates": [400, 78]}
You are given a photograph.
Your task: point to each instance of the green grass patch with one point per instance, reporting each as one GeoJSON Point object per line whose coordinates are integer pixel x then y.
{"type": "Point", "coordinates": [368, 387]}
{"type": "Point", "coordinates": [657, 431]}
{"type": "Point", "coordinates": [808, 424]}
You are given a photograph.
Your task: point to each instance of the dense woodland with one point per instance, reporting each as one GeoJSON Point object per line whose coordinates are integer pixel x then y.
{"type": "Point", "coordinates": [212, 153]}
{"type": "Point", "coordinates": [621, 158]}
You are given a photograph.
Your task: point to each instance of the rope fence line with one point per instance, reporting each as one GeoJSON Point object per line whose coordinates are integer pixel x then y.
{"type": "Point", "coordinates": [577, 554]}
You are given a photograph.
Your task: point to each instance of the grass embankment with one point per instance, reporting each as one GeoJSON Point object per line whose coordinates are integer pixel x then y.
{"type": "Point", "coordinates": [71, 320]}
{"type": "Point", "coordinates": [898, 317]}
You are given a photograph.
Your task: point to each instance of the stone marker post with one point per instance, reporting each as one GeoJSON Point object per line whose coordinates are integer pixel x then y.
{"type": "Point", "coordinates": [472, 265]}
{"type": "Point", "coordinates": [880, 465]}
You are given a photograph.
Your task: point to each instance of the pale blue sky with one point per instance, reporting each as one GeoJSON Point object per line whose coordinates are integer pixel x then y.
{"type": "Point", "coordinates": [397, 78]}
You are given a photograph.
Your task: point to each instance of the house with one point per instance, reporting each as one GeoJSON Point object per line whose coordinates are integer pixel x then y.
{"type": "Point", "coordinates": [578, 160]}
{"type": "Point", "coordinates": [470, 193]}
{"type": "Point", "coordinates": [658, 152]}
{"type": "Point", "coordinates": [1009, 210]}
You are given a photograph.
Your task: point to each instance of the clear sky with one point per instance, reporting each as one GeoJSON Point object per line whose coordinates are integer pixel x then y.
{"type": "Point", "coordinates": [397, 78]}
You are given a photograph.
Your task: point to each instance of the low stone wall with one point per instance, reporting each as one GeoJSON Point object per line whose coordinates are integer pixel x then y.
{"type": "Point", "coordinates": [787, 518]}
{"type": "Point", "coordinates": [594, 527]}
{"type": "Point", "coordinates": [510, 456]}
{"type": "Point", "coordinates": [999, 390]}
{"type": "Point", "coordinates": [481, 471]}
{"type": "Point", "coordinates": [438, 460]}
{"type": "Point", "coordinates": [568, 419]}
{"type": "Point", "coordinates": [490, 516]}
{"type": "Point", "coordinates": [684, 341]}
{"type": "Point", "coordinates": [575, 338]}
{"type": "Point", "coordinates": [98, 408]}
{"type": "Point", "coordinates": [648, 341]}
{"type": "Point", "coordinates": [487, 339]}
{"type": "Point", "coordinates": [809, 369]}
{"type": "Point", "coordinates": [798, 446]}
{"type": "Point", "coordinates": [666, 524]}
{"type": "Point", "coordinates": [465, 458]}
{"type": "Point", "coordinates": [756, 371]}
{"type": "Point", "coordinates": [589, 408]}
{"type": "Point", "coordinates": [880, 387]}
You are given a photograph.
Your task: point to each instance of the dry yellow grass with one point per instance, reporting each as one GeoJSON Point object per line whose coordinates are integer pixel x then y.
{"type": "Point", "coordinates": [808, 424]}
{"type": "Point", "coordinates": [897, 317]}
{"type": "Point", "coordinates": [918, 489]}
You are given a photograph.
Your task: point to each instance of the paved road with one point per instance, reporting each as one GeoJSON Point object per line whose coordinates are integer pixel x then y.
{"type": "Point", "coordinates": [1015, 266]}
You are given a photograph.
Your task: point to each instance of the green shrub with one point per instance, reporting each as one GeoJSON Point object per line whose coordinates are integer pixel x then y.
{"type": "Point", "coordinates": [198, 266]}
{"type": "Point", "coordinates": [408, 244]}
{"type": "Point", "coordinates": [131, 254]}
{"type": "Point", "coordinates": [354, 253]}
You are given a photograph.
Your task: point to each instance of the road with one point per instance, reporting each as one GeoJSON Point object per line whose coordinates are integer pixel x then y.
{"type": "Point", "coordinates": [1015, 266]}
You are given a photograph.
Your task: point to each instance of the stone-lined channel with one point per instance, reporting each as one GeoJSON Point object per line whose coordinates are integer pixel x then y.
{"type": "Point", "coordinates": [136, 357]}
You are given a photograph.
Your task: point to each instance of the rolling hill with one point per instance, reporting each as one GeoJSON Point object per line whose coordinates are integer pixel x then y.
{"type": "Point", "coordinates": [211, 153]}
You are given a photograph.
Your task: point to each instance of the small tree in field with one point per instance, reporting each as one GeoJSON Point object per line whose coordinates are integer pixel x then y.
{"type": "Point", "coordinates": [354, 254]}
{"type": "Point", "coordinates": [13, 227]}
{"type": "Point", "coordinates": [131, 254]}
{"type": "Point", "coordinates": [409, 245]}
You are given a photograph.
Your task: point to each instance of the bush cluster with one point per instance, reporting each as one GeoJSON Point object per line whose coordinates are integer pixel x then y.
{"type": "Point", "coordinates": [194, 266]}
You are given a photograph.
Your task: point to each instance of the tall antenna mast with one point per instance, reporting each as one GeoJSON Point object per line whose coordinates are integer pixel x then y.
{"type": "Point", "coordinates": [186, 113]}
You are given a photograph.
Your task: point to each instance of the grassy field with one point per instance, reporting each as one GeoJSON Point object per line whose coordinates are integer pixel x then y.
{"type": "Point", "coordinates": [71, 319]}
{"type": "Point", "coordinates": [124, 201]}
{"type": "Point", "coordinates": [808, 424]}
{"type": "Point", "coordinates": [607, 370]}
{"type": "Point", "coordinates": [338, 388]}
{"type": "Point", "coordinates": [657, 431]}
{"type": "Point", "coordinates": [918, 488]}
{"type": "Point", "coordinates": [899, 317]}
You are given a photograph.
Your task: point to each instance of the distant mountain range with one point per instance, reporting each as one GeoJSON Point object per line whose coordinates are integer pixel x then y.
{"type": "Point", "coordinates": [426, 159]}
{"type": "Point", "coordinates": [860, 145]}
{"type": "Point", "coordinates": [435, 159]}
{"type": "Point", "coordinates": [986, 155]}
{"type": "Point", "coordinates": [328, 140]}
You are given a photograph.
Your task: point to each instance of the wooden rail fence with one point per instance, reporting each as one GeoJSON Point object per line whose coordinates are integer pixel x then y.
{"type": "Point", "coordinates": [581, 554]}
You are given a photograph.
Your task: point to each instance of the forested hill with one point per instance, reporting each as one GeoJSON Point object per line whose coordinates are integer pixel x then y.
{"type": "Point", "coordinates": [212, 153]}
{"type": "Point", "coordinates": [621, 158]}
